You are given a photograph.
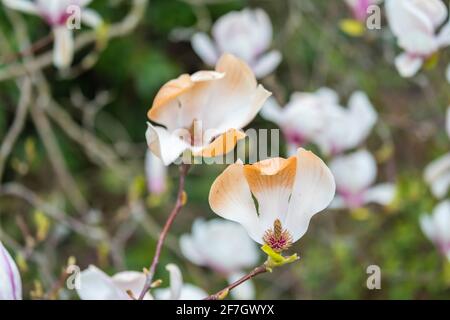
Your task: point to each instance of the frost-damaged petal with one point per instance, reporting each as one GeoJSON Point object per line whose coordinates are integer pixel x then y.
{"type": "Point", "coordinates": [408, 65]}
{"type": "Point", "coordinates": [382, 193]}
{"type": "Point", "coordinates": [63, 49]}
{"type": "Point", "coordinates": [271, 183]}
{"type": "Point", "coordinates": [230, 198]}
{"type": "Point", "coordinates": [10, 282]}
{"type": "Point", "coordinates": [97, 285]}
{"type": "Point", "coordinates": [22, 5]}
{"type": "Point", "coordinates": [205, 48]}
{"type": "Point", "coordinates": [164, 145]}
{"type": "Point", "coordinates": [222, 144]}
{"type": "Point", "coordinates": [267, 63]}
{"type": "Point", "coordinates": [313, 190]}
{"type": "Point", "coordinates": [354, 172]}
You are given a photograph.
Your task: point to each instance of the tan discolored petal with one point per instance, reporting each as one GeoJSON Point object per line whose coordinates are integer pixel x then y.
{"type": "Point", "coordinates": [222, 144]}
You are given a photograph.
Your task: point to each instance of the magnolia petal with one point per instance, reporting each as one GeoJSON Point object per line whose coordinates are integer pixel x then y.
{"type": "Point", "coordinates": [441, 220]}
{"type": "Point", "coordinates": [164, 145]}
{"type": "Point", "coordinates": [22, 5]}
{"type": "Point", "coordinates": [131, 280]}
{"type": "Point", "coordinates": [91, 18]}
{"type": "Point", "coordinates": [10, 282]}
{"type": "Point", "coordinates": [313, 190]}
{"type": "Point", "coordinates": [437, 175]}
{"type": "Point", "coordinates": [190, 250]}
{"type": "Point", "coordinates": [176, 281]}
{"type": "Point", "coordinates": [362, 117]}
{"type": "Point", "coordinates": [245, 291]}
{"type": "Point", "coordinates": [408, 65]}
{"type": "Point", "coordinates": [222, 144]}
{"type": "Point", "coordinates": [205, 48]}
{"type": "Point", "coordinates": [188, 292]}
{"type": "Point", "coordinates": [428, 227]}
{"type": "Point", "coordinates": [63, 49]}
{"type": "Point", "coordinates": [272, 111]}
{"type": "Point", "coordinates": [338, 203]}
{"type": "Point", "coordinates": [266, 64]}
{"type": "Point", "coordinates": [271, 183]}
{"type": "Point", "coordinates": [354, 172]}
{"type": "Point", "coordinates": [156, 173]}
{"type": "Point", "coordinates": [97, 285]}
{"type": "Point", "coordinates": [447, 115]}
{"type": "Point", "coordinates": [230, 198]}
{"type": "Point", "coordinates": [383, 194]}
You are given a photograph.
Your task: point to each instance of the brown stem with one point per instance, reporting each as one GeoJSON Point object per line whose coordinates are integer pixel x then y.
{"type": "Point", "coordinates": [222, 293]}
{"type": "Point", "coordinates": [184, 168]}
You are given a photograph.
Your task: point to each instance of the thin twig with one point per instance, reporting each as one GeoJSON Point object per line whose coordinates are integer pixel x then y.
{"type": "Point", "coordinates": [184, 168]}
{"type": "Point", "coordinates": [224, 292]}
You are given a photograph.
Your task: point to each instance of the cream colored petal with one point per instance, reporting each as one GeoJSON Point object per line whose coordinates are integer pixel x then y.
{"type": "Point", "coordinates": [230, 198]}
{"type": "Point", "coordinates": [271, 183]}
{"type": "Point", "coordinates": [63, 49]}
{"type": "Point", "coordinates": [222, 144]}
{"type": "Point", "coordinates": [313, 190]}
{"type": "Point", "coordinates": [97, 285]}
{"type": "Point", "coordinates": [168, 147]}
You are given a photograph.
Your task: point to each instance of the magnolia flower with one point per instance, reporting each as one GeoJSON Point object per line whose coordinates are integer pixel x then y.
{"type": "Point", "coordinates": [219, 103]}
{"type": "Point", "coordinates": [225, 247]}
{"type": "Point", "coordinates": [346, 128]}
{"type": "Point", "coordinates": [97, 285]}
{"type": "Point", "coordinates": [246, 34]}
{"type": "Point", "coordinates": [10, 282]}
{"type": "Point", "coordinates": [303, 117]}
{"type": "Point", "coordinates": [57, 13]}
{"type": "Point", "coordinates": [156, 173]}
{"type": "Point", "coordinates": [288, 192]}
{"type": "Point", "coordinates": [359, 8]}
{"type": "Point", "coordinates": [437, 227]}
{"type": "Point", "coordinates": [437, 173]}
{"type": "Point", "coordinates": [415, 23]}
{"type": "Point", "coordinates": [355, 175]}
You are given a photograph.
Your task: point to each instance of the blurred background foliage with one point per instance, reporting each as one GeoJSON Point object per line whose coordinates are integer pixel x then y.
{"type": "Point", "coordinates": [340, 244]}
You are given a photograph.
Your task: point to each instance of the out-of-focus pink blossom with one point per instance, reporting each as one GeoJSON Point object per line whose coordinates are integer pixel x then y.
{"type": "Point", "coordinates": [10, 282]}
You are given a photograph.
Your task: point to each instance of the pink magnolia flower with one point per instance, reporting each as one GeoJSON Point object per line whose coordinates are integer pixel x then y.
{"type": "Point", "coordinates": [359, 8]}
{"type": "Point", "coordinates": [57, 13]}
{"type": "Point", "coordinates": [225, 247]}
{"type": "Point", "coordinates": [10, 282]}
{"type": "Point", "coordinates": [355, 175]}
{"type": "Point", "coordinates": [417, 24]}
{"type": "Point", "coordinates": [303, 118]}
{"type": "Point", "coordinates": [97, 285]}
{"type": "Point", "coordinates": [437, 227]}
{"type": "Point", "coordinates": [246, 34]}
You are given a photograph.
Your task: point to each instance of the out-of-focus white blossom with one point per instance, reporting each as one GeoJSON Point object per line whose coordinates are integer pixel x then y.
{"type": "Point", "coordinates": [355, 175]}
{"type": "Point", "coordinates": [156, 173]}
{"type": "Point", "coordinates": [437, 227]}
{"type": "Point", "coordinates": [346, 128]}
{"type": "Point", "coordinates": [97, 285]}
{"type": "Point", "coordinates": [10, 282]}
{"type": "Point", "coordinates": [437, 173]}
{"type": "Point", "coordinates": [225, 247]}
{"type": "Point", "coordinates": [56, 13]}
{"type": "Point", "coordinates": [418, 26]}
{"type": "Point", "coordinates": [447, 73]}
{"type": "Point", "coordinates": [303, 118]}
{"type": "Point", "coordinates": [246, 34]}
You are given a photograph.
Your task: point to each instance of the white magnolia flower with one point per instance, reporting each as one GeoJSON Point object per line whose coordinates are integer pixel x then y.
{"type": "Point", "coordinates": [288, 193]}
{"type": "Point", "coordinates": [303, 118]}
{"type": "Point", "coordinates": [355, 175]}
{"type": "Point", "coordinates": [156, 173]}
{"type": "Point", "coordinates": [346, 128]}
{"type": "Point", "coordinates": [10, 282]}
{"type": "Point", "coordinates": [359, 8]}
{"type": "Point", "coordinates": [56, 13]}
{"type": "Point", "coordinates": [437, 173]}
{"type": "Point", "coordinates": [225, 247]}
{"type": "Point", "coordinates": [97, 285]}
{"type": "Point", "coordinates": [437, 227]}
{"type": "Point", "coordinates": [246, 34]}
{"type": "Point", "coordinates": [417, 24]}
{"type": "Point", "coordinates": [205, 111]}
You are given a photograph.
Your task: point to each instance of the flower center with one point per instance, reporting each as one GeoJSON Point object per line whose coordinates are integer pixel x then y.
{"type": "Point", "coordinates": [277, 238]}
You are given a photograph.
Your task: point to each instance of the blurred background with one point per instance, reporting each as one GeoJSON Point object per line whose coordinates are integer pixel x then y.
{"type": "Point", "coordinates": [73, 180]}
